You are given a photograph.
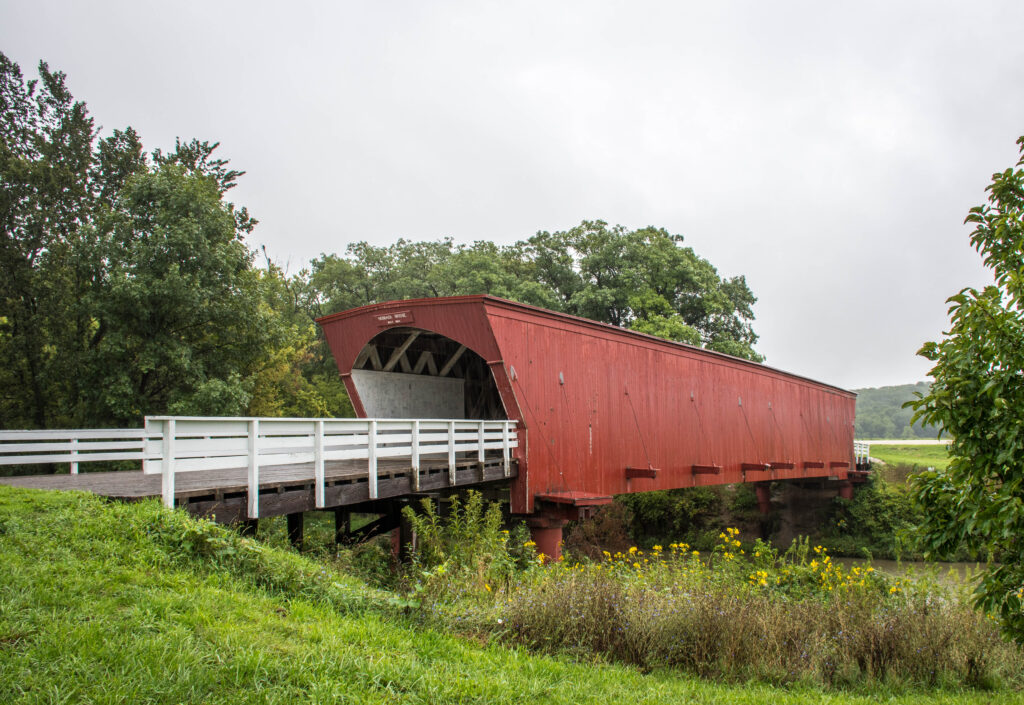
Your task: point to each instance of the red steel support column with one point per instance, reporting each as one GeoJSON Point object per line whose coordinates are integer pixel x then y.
{"type": "Point", "coordinates": [764, 497]}
{"type": "Point", "coordinates": [846, 489]}
{"type": "Point", "coordinates": [546, 532]}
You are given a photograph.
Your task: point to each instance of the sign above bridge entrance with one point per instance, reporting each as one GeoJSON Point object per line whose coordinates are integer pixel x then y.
{"type": "Point", "coordinates": [396, 318]}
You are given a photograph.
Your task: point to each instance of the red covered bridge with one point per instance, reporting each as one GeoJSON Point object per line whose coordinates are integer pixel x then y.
{"type": "Point", "coordinates": [470, 391]}
{"type": "Point", "coordinates": [601, 410]}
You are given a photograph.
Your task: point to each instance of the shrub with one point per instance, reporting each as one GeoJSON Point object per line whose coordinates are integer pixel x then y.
{"type": "Point", "coordinates": [466, 552]}
{"type": "Point", "coordinates": [879, 519]}
{"type": "Point", "coordinates": [608, 530]}
{"type": "Point", "coordinates": [665, 514]}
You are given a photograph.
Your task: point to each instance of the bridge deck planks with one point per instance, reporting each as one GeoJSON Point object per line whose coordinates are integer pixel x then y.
{"type": "Point", "coordinates": [133, 484]}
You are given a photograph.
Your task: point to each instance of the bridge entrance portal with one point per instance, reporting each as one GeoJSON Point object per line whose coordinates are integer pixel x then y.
{"type": "Point", "coordinates": [412, 373]}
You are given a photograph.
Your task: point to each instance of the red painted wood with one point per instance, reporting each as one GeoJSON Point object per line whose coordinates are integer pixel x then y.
{"type": "Point", "coordinates": [627, 399]}
{"type": "Point", "coordinates": [632, 473]}
{"type": "Point", "coordinates": [575, 499]}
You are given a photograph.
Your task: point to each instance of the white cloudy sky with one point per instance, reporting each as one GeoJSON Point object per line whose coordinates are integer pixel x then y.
{"type": "Point", "coordinates": [827, 151]}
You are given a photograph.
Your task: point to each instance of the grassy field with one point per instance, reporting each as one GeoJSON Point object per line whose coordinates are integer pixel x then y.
{"type": "Point", "coordinates": [113, 603]}
{"type": "Point", "coordinates": [920, 455]}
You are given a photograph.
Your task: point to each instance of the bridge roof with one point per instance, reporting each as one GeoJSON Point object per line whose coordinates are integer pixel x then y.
{"type": "Point", "coordinates": [496, 306]}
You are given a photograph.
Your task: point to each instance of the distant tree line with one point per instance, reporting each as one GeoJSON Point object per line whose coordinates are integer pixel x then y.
{"type": "Point", "coordinates": [880, 412]}
{"type": "Point", "coordinates": [129, 288]}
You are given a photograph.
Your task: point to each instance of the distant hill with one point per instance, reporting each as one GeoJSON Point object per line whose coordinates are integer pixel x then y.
{"type": "Point", "coordinates": [880, 413]}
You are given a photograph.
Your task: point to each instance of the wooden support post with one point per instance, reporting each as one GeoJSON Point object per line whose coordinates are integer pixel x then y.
{"type": "Point", "coordinates": [145, 446]}
{"type": "Point", "coordinates": [249, 527]}
{"type": "Point", "coordinates": [415, 438]}
{"type": "Point", "coordinates": [295, 529]}
{"type": "Point", "coordinates": [254, 469]}
{"type": "Point", "coordinates": [505, 456]}
{"type": "Point", "coordinates": [406, 536]}
{"type": "Point", "coordinates": [74, 456]}
{"type": "Point", "coordinates": [318, 462]}
{"type": "Point", "coordinates": [480, 454]}
{"type": "Point", "coordinates": [371, 458]}
{"type": "Point", "coordinates": [168, 464]}
{"type": "Point", "coordinates": [451, 453]}
{"type": "Point", "coordinates": [342, 524]}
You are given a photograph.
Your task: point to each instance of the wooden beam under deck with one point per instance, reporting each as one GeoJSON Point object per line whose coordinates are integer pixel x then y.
{"type": "Point", "coordinates": [222, 495]}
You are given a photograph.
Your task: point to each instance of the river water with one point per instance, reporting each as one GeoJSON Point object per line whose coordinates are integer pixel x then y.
{"type": "Point", "coordinates": [949, 573]}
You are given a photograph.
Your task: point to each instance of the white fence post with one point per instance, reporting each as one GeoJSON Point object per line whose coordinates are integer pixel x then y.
{"type": "Point", "coordinates": [506, 460]}
{"type": "Point", "coordinates": [451, 452]}
{"type": "Point", "coordinates": [168, 466]}
{"type": "Point", "coordinates": [318, 463]}
{"type": "Point", "coordinates": [254, 469]}
{"type": "Point", "coordinates": [371, 458]}
{"type": "Point", "coordinates": [415, 455]}
{"type": "Point", "coordinates": [145, 446]}
{"type": "Point", "coordinates": [480, 448]}
{"type": "Point", "coordinates": [74, 455]}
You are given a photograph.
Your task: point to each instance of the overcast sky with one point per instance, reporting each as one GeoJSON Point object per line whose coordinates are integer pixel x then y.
{"type": "Point", "coordinates": [827, 151]}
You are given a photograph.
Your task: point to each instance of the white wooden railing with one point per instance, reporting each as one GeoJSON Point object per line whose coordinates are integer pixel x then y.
{"type": "Point", "coordinates": [72, 446]}
{"type": "Point", "coordinates": [169, 445]}
{"type": "Point", "coordinates": [861, 451]}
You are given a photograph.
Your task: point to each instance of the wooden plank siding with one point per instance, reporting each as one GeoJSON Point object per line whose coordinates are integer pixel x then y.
{"type": "Point", "coordinates": [592, 400]}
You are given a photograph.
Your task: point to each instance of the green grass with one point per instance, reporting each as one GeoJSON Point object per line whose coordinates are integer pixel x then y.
{"type": "Point", "coordinates": [920, 455]}
{"type": "Point", "coordinates": [114, 603]}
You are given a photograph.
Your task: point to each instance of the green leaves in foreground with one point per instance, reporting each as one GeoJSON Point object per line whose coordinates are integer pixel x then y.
{"type": "Point", "coordinates": [977, 503]}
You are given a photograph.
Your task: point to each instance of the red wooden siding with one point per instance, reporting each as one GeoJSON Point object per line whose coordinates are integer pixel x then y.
{"type": "Point", "coordinates": [628, 400]}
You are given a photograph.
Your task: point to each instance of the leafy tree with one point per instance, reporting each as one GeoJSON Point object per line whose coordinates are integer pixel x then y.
{"type": "Point", "coordinates": [128, 288]}
{"type": "Point", "coordinates": [646, 280]}
{"type": "Point", "coordinates": [52, 182]}
{"type": "Point", "coordinates": [978, 397]}
{"type": "Point", "coordinates": [298, 378]}
{"type": "Point", "coordinates": [643, 279]}
{"type": "Point", "coordinates": [175, 302]}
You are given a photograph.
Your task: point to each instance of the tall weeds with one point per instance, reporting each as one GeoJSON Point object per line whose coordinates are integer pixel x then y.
{"type": "Point", "coordinates": [751, 613]}
{"type": "Point", "coordinates": [466, 552]}
{"type": "Point", "coordinates": [739, 612]}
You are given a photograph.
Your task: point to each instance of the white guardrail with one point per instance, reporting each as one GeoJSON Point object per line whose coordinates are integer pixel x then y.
{"type": "Point", "coordinates": [861, 451]}
{"type": "Point", "coordinates": [169, 445]}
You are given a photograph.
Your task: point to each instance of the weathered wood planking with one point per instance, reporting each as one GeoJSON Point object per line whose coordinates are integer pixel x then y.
{"type": "Point", "coordinates": [222, 494]}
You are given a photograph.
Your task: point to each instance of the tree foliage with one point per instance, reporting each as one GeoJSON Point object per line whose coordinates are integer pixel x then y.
{"type": "Point", "coordinates": [978, 397]}
{"type": "Point", "coordinates": [881, 412]}
{"type": "Point", "coordinates": [642, 279]}
{"type": "Point", "coordinates": [128, 288]}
